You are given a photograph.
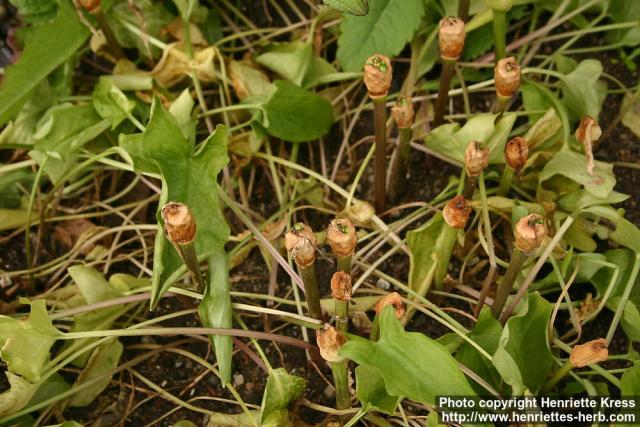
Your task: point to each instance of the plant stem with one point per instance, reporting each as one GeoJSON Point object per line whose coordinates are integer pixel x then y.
{"type": "Point", "coordinates": [502, 102]}
{"type": "Point", "coordinates": [341, 382]}
{"type": "Point", "coordinates": [463, 10]}
{"type": "Point", "coordinates": [380, 117]}
{"type": "Point", "coordinates": [398, 174]}
{"type": "Point", "coordinates": [443, 91]}
{"type": "Point", "coordinates": [557, 376]}
{"type": "Point", "coordinates": [517, 260]}
{"type": "Point", "coordinates": [499, 33]}
{"type": "Point", "coordinates": [344, 264]}
{"type": "Point", "coordinates": [470, 184]}
{"type": "Point", "coordinates": [188, 254]}
{"type": "Point", "coordinates": [103, 23]}
{"type": "Point", "coordinates": [505, 181]}
{"type": "Point", "coordinates": [449, 235]}
{"type": "Point", "coordinates": [311, 291]}
{"type": "Point", "coordinates": [342, 315]}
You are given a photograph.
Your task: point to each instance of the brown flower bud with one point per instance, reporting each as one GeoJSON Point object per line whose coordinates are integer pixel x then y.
{"type": "Point", "coordinates": [529, 233]}
{"type": "Point", "coordinates": [402, 112]}
{"type": "Point", "coordinates": [90, 6]}
{"type": "Point", "coordinates": [330, 341]}
{"type": "Point", "coordinates": [476, 158]}
{"type": "Point", "coordinates": [341, 286]}
{"type": "Point", "coordinates": [451, 36]}
{"type": "Point", "coordinates": [591, 352]}
{"type": "Point", "coordinates": [588, 133]}
{"type": "Point", "coordinates": [393, 299]}
{"type": "Point", "coordinates": [516, 152]}
{"type": "Point", "coordinates": [342, 237]}
{"type": "Point", "coordinates": [179, 225]}
{"type": "Point", "coordinates": [456, 212]}
{"type": "Point", "coordinates": [507, 76]}
{"type": "Point", "coordinates": [301, 244]}
{"type": "Point", "coordinates": [377, 75]}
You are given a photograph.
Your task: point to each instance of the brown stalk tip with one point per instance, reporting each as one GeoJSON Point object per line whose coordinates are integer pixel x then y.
{"type": "Point", "coordinates": [341, 286]}
{"type": "Point", "coordinates": [529, 233]}
{"type": "Point", "coordinates": [90, 6]}
{"type": "Point", "coordinates": [507, 76]}
{"type": "Point", "coordinates": [330, 341]}
{"type": "Point", "coordinates": [402, 112]}
{"type": "Point", "coordinates": [393, 299]}
{"type": "Point", "coordinates": [591, 352]}
{"type": "Point", "coordinates": [516, 152]}
{"type": "Point", "coordinates": [301, 244]}
{"type": "Point", "coordinates": [456, 212]}
{"type": "Point", "coordinates": [377, 75]}
{"type": "Point", "coordinates": [451, 36]}
{"type": "Point", "coordinates": [179, 224]}
{"type": "Point", "coordinates": [476, 158]}
{"type": "Point", "coordinates": [342, 237]}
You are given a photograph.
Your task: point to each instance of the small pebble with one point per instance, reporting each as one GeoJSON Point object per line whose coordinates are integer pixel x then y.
{"type": "Point", "coordinates": [329, 391]}
{"type": "Point", "coordinates": [238, 379]}
{"type": "Point", "coordinates": [383, 284]}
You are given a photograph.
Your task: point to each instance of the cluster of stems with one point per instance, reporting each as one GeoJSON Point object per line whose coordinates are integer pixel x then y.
{"type": "Point", "coordinates": [403, 115]}
{"type": "Point", "coordinates": [451, 35]}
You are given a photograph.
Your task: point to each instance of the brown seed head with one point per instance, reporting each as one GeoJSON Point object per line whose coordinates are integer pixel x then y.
{"type": "Point", "coordinates": [330, 341]}
{"type": "Point", "coordinates": [377, 75]}
{"type": "Point", "coordinates": [342, 237]}
{"type": "Point", "coordinates": [591, 352]}
{"type": "Point", "coordinates": [179, 224]}
{"type": "Point", "coordinates": [90, 6]}
{"type": "Point", "coordinates": [393, 299]}
{"type": "Point", "coordinates": [451, 36]}
{"type": "Point", "coordinates": [507, 76]}
{"type": "Point", "coordinates": [301, 244]}
{"type": "Point", "coordinates": [402, 112]}
{"type": "Point", "coordinates": [341, 286]}
{"type": "Point", "coordinates": [529, 233]}
{"type": "Point", "coordinates": [456, 212]}
{"type": "Point", "coordinates": [516, 152]}
{"type": "Point", "coordinates": [476, 158]}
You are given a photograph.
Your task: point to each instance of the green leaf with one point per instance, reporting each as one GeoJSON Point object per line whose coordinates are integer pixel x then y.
{"type": "Point", "coordinates": [354, 7]}
{"type": "Point", "coordinates": [11, 194]}
{"type": "Point", "coordinates": [62, 131]}
{"type": "Point", "coordinates": [411, 364]}
{"type": "Point", "coordinates": [296, 115]}
{"type": "Point", "coordinates": [534, 100]}
{"type": "Point", "coordinates": [248, 80]}
{"type": "Point", "coordinates": [19, 394]}
{"type": "Point", "coordinates": [104, 359]}
{"type": "Point", "coordinates": [289, 60]}
{"type": "Point", "coordinates": [189, 178]}
{"type": "Point", "coordinates": [486, 333]}
{"type": "Point", "coordinates": [35, 11]}
{"type": "Point", "coordinates": [21, 129]}
{"type": "Point", "coordinates": [14, 218]}
{"type": "Point", "coordinates": [574, 166]}
{"type": "Point", "coordinates": [423, 247]}
{"type": "Point", "coordinates": [523, 358]}
{"type": "Point", "coordinates": [630, 381]}
{"type": "Point", "coordinates": [452, 141]}
{"type": "Point", "coordinates": [25, 344]}
{"type": "Point", "coordinates": [92, 284]}
{"type": "Point", "coordinates": [46, 47]}
{"type": "Point", "coordinates": [215, 311]}
{"type": "Point", "coordinates": [627, 234]}
{"type": "Point", "coordinates": [110, 102]}
{"type": "Point", "coordinates": [371, 391]}
{"type": "Point", "coordinates": [281, 389]}
{"type": "Point", "coordinates": [386, 29]}
{"type": "Point", "coordinates": [186, 7]}
{"type": "Point", "coordinates": [583, 93]}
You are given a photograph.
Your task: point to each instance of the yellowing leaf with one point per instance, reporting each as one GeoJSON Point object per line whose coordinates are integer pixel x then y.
{"type": "Point", "coordinates": [176, 65]}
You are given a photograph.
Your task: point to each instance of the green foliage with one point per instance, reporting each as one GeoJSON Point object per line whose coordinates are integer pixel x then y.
{"type": "Point", "coordinates": [354, 7]}
{"type": "Point", "coordinates": [47, 46]}
{"type": "Point", "coordinates": [110, 102]}
{"type": "Point", "coordinates": [386, 29]}
{"type": "Point", "coordinates": [188, 177]}
{"type": "Point", "coordinates": [523, 358]}
{"type": "Point", "coordinates": [19, 394]}
{"type": "Point", "coordinates": [104, 359]}
{"type": "Point", "coordinates": [281, 389]}
{"type": "Point", "coordinates": [289, 60]}
{"type": "Point", "coordinates": [583, 93]}
{"type": "Point", "coordinates": [372, 392]}
{"type": "Point", "coordinates": [35, 11]}
{"type": "Point", "coordinates": [630, 381]}
{"type": "Point", "coordinates": [411, 364]}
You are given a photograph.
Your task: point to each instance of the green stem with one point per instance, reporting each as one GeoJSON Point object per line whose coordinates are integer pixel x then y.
{"type": "Point", "coordinates": [27, 229]}
{"type": "Point", "coordinates": [375, 329]}
{"type": "Point", "coordinates": [463, 9]}
{"type": "Point", "coordinates": [448, 67]}
{"type": "Point", "coordinates": [342, 315]}
{"type": "Point", "coordinates": [311, 291]}
{"type": "Point", "coordinates": [499, 33]}
{"type": "Point", "coordinates": [502, 102]}
{"type": "Point", "coordinates": [187, 252]}
{"type": "Point", "coordinates": [505, 181]}
{"type": "Point", "coordinates": [103, 23]}
{"type": "Point", "coordinates": [344, 264]}
{"type": "Point", "coordinates": [341, 382]}
{"type": "Point", "coordinates": [557, 376]}
{"type": "Point", "coordinates": [470, 184]}
{"type": "Point", "coordinates": [449, 235]}
{"type": "Point", "coordinates": [380, 172]}
{"type": "Point", "coordinates": [398, 174]}
{"type": "Point", "coordinates": [517, 260]}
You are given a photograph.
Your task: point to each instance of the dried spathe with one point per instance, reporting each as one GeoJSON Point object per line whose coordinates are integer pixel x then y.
{"type": "Point", "coordinates": [476, 158]}
{"type": "Point", "coordinates": [588, 133]}
{"type": "Point", "coordinates": [529, 233]}
{"type": "Point", "coordinates": [591, 352]}
{"type": "Point", "coordinates": [301, 244]}
{"type": "Point", "coordinates": [393, 299]}
{"type": "Point", "coordinates": [341, 287]}
{"type": "Point", "coordinates": [342, 237]}
{"type": "Point", "coordinates": [507, 76]}
{"type": "Point", "coordinates": [179, 224]}
{"type": "Point", "coordinates": [330, 340]}
{"type": "Point", "coordinates": [456, 212]}
{"type": "Point", "coordinates": [402, 112]}
{"type": "Point", "coordinates": [516, 152]}
{"type": "Point", "coordinates": [451, 35]}
{"type": "Point", "coordinates": [377, 75]}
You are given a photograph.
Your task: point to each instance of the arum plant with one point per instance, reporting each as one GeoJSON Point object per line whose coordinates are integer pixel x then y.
{"type": "Point", "coordinates": [330, 341]}
{"type": "Point", "coordinates": [377, 77]}
{"type": "Point", "coordinates": [588, 133]}
{"type": "Point", "coordinates": [500, 9]}
{"type": "Point", "coordinates": [301, 245]}
{"type": "Point", "coordinates": [476, 159]}
{"type": "Point", "coordinates": [516, 153]}
{"type": "Point", "coordinates": [403, 114]}
{"type": "Point", "coordinates": [582, 355]}
{"type": "Point", "coordinates": [180, 229]}
{"type": "Point", "coordinates": [507, 76]}
{"type": "Point", "coordinates": [451, 35]}
{"type": "Point", "coordinates": [394, 300]}
{"type": "Point", "coordinates": [529, 233]}
{"type": "Point", "coordinates": [342, 238]}
{"type": "Point", "coordinates": [456, 215]}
